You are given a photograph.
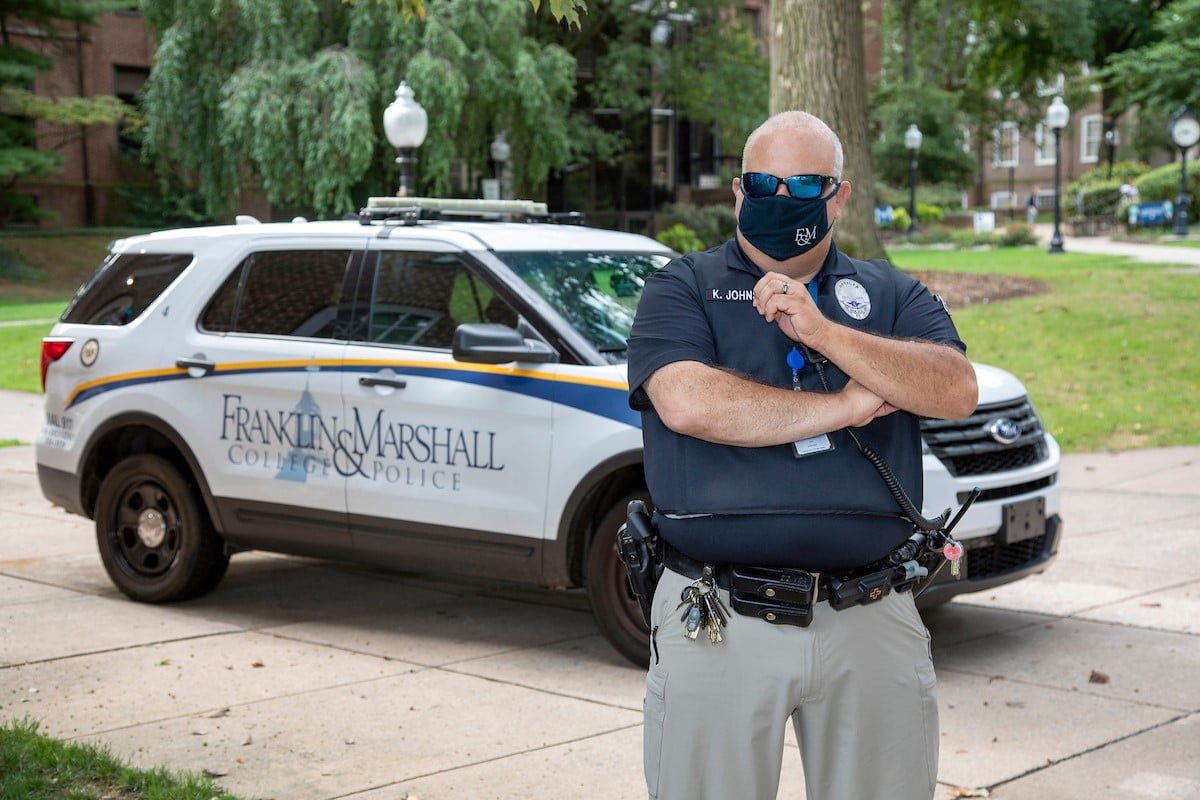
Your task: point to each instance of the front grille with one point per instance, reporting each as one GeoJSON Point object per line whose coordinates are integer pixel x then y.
{"type": "Point", "coordinates": [968, 447]}
{"type": "Point", "coordinates": [1002, 492]}
{"type": "Point", "coordinates": [991, 559]}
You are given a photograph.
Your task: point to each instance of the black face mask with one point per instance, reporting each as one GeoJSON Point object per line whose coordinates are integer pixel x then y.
{"type": "Point", "coordinates": [782, 226]}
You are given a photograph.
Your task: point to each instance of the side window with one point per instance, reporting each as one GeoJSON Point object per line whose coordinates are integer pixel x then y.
{"type": "Point", "coordinates": [420, 298]}
{"type": "Point", "coordinates": [282, 293]}
{"type": "Point", "coordinates": [123, 286]}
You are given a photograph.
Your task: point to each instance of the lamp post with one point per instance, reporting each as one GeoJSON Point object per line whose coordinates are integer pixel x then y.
{"type": "Point", "coordinates": [1184, 131]}
{"type": "Point", "coordinates": [405, 123]}
{"type": "Point", "coordinates": [1112, 137]}
{"type": "Point", "coordinates": [500, 153]}
{"type": "Point", "coordinates": [1056, 119]}
{"type": "Point", "coordinates": [912, 140]}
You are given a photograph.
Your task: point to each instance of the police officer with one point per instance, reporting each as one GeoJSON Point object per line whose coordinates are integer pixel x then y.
{"type": "Point", "coordinates": [761, 367]}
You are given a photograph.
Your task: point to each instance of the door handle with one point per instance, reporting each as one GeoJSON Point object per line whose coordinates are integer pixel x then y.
{"type": "Point", "coordinates": [395, 383]}
{"type": "Point", "coordinates": [196, 363]}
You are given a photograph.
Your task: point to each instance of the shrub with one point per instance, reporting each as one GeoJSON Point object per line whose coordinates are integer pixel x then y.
{"type": "Point", "coordinates": [929, 214]}
{"type": "Point", "coordinates": [1017, 234]}
{"type": "Point", "coordinates": [900, 218]}
{"type": "Point", "coordinates": [1097, 199]}
{"type": "Point", "coordinates": [1099, 175]}
{"type": "Point", "coordinates": [712, 225]}
{"type": "Point", "coordinates": [1163, 184]}
{"type": "Point", "coordinates": [680, 238]}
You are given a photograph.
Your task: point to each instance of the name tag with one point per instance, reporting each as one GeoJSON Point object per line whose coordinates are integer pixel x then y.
{"type": "Point", "coordinates": [811, 445]}
{"type": "Point", "coordinates": [731, 295]}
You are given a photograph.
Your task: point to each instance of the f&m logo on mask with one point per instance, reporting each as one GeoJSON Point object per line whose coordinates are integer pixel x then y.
{"type": "Point", "coordinates": [806, 236]}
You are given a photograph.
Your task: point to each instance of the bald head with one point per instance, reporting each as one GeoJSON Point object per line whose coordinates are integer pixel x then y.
{"type": "Point", "coordinates": [802, 122]}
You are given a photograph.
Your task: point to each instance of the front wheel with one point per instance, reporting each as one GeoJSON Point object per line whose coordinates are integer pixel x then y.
{"type": "Point", "coordinates": [155, 538]}
{"type": "Point", "coordinates": [614, 605]}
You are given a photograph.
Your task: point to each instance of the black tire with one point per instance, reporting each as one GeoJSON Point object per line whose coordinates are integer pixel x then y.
{"type": "Point", "coordinates": [614, 604]}
{"type": "Point", "coordinates": [154, 536]}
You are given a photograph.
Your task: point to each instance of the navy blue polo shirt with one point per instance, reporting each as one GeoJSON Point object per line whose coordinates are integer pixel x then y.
{"type": "Point", "coordinates": [763, 505]}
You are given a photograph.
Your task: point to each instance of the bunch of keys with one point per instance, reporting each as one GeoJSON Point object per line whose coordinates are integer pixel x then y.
{"type": "Point", "coordinates": [703, 608]}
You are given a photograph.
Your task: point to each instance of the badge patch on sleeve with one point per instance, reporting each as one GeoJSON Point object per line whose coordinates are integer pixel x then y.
{"type": "Point", "coordinates": [853, 298]}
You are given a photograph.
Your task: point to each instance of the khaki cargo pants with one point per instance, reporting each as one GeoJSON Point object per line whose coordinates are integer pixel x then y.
{"type": "Point", "coordinates": [858, 686]}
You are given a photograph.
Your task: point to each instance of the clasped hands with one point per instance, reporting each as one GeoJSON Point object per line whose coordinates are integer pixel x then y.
{"type": "Point", "coordinates": [786, 302]}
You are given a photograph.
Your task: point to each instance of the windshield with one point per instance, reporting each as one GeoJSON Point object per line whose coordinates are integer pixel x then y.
{"type": "Point", "coordinates": [597, 293]}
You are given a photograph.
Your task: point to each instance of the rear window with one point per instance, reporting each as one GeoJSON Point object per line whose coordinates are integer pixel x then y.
{"type": "Point", "coordinates": [282, 293]}
{"type": "Point", "coordinates": [123, 287]}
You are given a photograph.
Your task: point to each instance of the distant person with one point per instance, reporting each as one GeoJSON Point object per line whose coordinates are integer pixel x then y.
{"type": "Point", "coordinates": [1129, 192]}
{"type": "Point", "coordinates": [1031, 206]}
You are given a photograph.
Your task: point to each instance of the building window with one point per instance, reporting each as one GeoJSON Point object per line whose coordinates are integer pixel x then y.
{"type": "Point", "coordinates": [1006, 145]}
{"type": "Point", "coordinates": [1091, 135]}
{"type": "Point", "coordinates": [1043, 142]}
{"type": "Point", "coordinates": [966, 138]}
{"type": "Point", "coordinates": [1004, 201]}
{"type": "Point", "coordinates": [128, 83]}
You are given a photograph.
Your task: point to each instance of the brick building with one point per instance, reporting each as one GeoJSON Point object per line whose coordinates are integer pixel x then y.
{"type": "Point", "coordinates": [112, 58]}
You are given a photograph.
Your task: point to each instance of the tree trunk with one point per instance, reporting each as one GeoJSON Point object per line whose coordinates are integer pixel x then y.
{"type": "Point", "coordinates": [817, 65]}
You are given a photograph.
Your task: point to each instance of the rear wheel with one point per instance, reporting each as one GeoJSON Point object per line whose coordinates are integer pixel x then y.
{"type": "Point", "coordinates": [614, 605]}
{"type": "Point", "coordinates": [155, 538]}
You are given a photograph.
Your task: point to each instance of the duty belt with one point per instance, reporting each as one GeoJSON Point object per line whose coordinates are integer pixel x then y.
{"type": "Point", "coordinates": [778, 596]}
{"type": "Point", "coordinates": [787, 596]}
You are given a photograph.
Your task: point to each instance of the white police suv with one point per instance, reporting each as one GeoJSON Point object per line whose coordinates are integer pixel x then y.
{"type": "Point", "coordinates": [431, 387]}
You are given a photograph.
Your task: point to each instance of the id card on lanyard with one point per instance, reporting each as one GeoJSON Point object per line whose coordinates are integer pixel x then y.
{"type": "Point", "coordinates": [795, 360]}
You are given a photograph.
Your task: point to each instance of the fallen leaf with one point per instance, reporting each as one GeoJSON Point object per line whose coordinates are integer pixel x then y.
{"type": "Point", "coordinates": [257, 664]}
{"type": "Point", "coordinates": [224, 712]}
{"type": "Point", "coordinates": [963, 791]}
{"type": "Point", "coordinates": [1151, 605]}
{"type": "Point", "coordinates": [1098, 677]}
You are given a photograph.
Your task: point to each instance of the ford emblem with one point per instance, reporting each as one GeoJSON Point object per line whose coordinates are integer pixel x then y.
{"type": "Point", "coordinates": [1005, 431]}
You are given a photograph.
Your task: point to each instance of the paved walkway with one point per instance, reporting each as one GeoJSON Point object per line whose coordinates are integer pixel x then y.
{"type": "Point", "coordinates": [1186, 257]}
{"type": "Point", "coordinates": [309, 680]}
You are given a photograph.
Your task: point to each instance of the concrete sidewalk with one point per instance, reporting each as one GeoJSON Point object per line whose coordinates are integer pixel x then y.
{"type": "Point", "coordinates": [304, 680]}
{"type": "Point", "coordinates": [1187, 258]}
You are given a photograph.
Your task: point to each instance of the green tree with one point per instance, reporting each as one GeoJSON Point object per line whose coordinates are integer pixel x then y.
{"type": "Point", "coordinates": [997, 60]}
{"type": "Point", "coordinates": [1164, 73]}
{"type": "Point", "coordinates": [20, 108]}
{"type": "Point", "coordinates": [290, 94]}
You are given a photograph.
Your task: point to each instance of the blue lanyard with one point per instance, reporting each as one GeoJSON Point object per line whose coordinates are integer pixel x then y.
{"type": "Point", "coordinates": [795, 359]}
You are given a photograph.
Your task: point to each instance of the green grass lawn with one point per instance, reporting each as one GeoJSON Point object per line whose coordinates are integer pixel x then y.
{"type": "Point", "coordinates": [35, 767]}
{"type": "Point", "coordinates": [1108, 354]}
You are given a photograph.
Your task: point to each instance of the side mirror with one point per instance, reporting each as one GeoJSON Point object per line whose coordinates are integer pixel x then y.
{"type": "Point", "coordinates": [488, 343]}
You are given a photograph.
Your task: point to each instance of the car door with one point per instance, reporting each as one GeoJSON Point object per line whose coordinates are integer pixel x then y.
{"type": "Point", "coordinates": [264, 403]}
{"type": "Point", "coordinates": [450, 460]}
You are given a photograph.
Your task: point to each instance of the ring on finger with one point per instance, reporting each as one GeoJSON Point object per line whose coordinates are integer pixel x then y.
{"type": "Point", "coordinates": [785, 288]}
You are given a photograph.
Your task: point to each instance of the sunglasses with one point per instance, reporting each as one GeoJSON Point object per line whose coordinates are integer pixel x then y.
{"type": "Point", "coordinates": [801, 187]}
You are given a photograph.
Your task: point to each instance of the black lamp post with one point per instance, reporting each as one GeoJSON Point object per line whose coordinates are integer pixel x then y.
{"type": "Point", "coordinates": [1184, 131]}
{"type": "Point", "coordinates": [912, 140]}
{"type": "Point", "coordinates": [405, 123]}
{"type": "Point", "coordinates": [500, 153]}
{"type": "Point", "coordinates": [1056, 119]}
{"type": "Point", "coordinates": [1112, 138]}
